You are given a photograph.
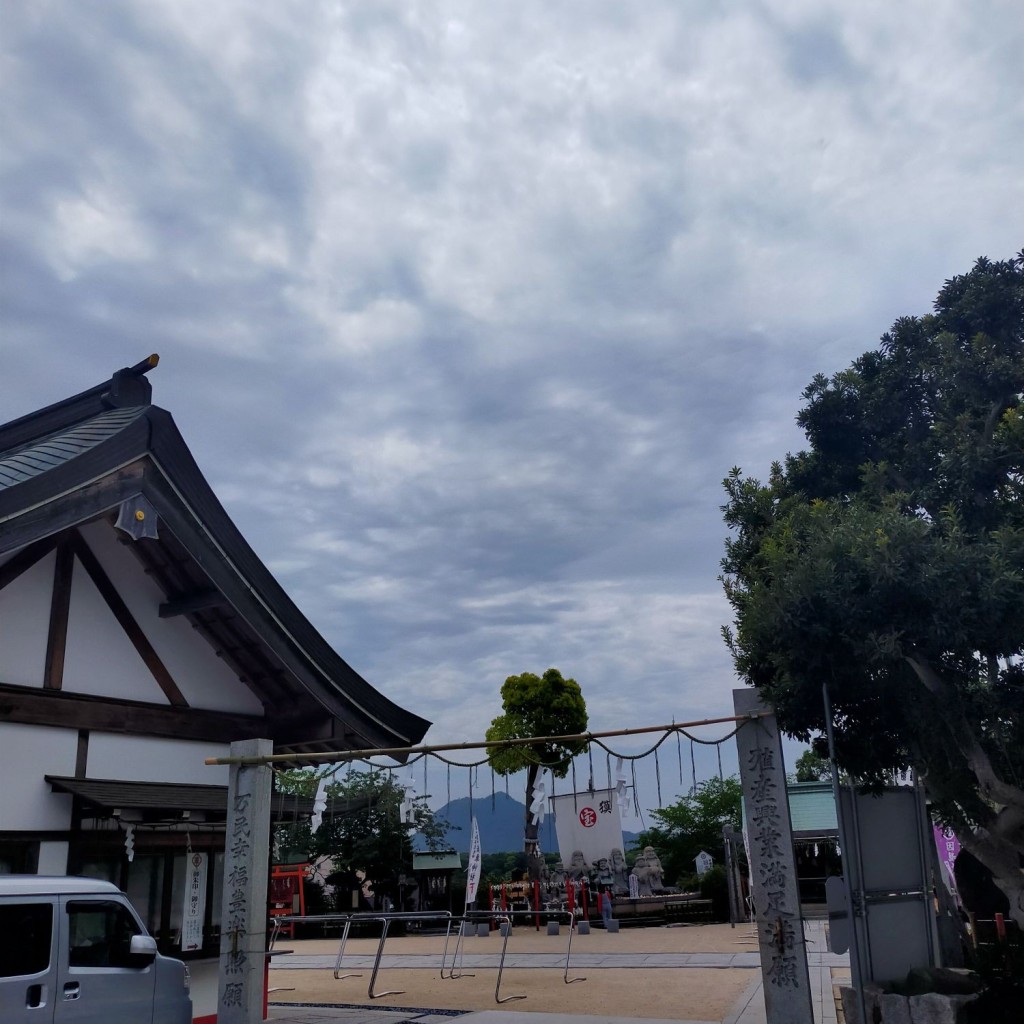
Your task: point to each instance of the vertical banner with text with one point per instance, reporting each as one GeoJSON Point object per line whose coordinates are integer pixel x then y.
{"type": "Point", "coordinates": [948, 846]}
{"type": "Point", "coordinates": [193, 911]}
{"type": "Point", "coordinates": [473, 878]}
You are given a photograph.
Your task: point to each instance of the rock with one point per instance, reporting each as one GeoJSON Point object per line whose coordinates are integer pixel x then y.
{"type": "Point", "coordinates": [936, 1008]}
{"type": "Point", "coordinates": [949, 981]}
{"type": "Point", "coordinates": [895, 1009]}
{"type": "Point", "coordinates": [851, 1004]}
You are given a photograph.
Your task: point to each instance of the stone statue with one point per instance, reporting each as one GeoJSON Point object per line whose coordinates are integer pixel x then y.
{"type": "Point", "coordinates": [556, 877]}
{"type": "Point", "coordinates": [544, 873]}
{"type": "Point", "coordinates": [578, 867]}
{"type": "Point", "coordinates": [643, 876]}
{"type": "Point", "coordinates": [620, 873]}
{"type": "Point", "coordinates": [603, 876]}
{"type": "Point", "coordinates": [655, 874]}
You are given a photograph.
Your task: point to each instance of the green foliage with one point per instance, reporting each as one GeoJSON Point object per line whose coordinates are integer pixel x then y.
{"type": "Point", "coordinates": [547, 705]}
{"type": "Point", "coordinates": [714, 886]}
{"type": "Point", "coordinates": [363, 827]}
{"type": "Point", "coordinates": [502, 867]}
{"type": "Point", "coordinates": [888, 562]}
{"type": "Point", "coordinates": [692, 824]}
{"type": "Point", "coordinates": [812, 767]}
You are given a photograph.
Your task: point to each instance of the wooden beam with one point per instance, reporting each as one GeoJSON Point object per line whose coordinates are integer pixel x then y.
{"type": "Point", "coordinates": [31, 705]}
{"type": "Point", "coordinates": [127, 622]}
{"type": "Point", "coordinates": [44, 835]}
{"type": "Point", "coordinates": [82, 754]}
{"type": "Point", "coordinates": [305, 728]}
{"type": "Point", "coordinates": [60, 605]}
{"type": "Point", "coordinates": [73, 508]}
{"type": "Point", "coordinates": [195, 602]}
{"type": "Point", "coordinates": [24, 560]}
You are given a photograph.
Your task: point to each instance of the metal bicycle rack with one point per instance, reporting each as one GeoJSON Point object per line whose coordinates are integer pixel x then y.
{"type": "Point", "coordinates": [385, 919]}
{"type": "Point", "coordinates": [506, 917]}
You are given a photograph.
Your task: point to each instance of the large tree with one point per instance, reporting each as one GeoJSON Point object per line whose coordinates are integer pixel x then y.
{"type": "Point", "coordinates": [547, 705]}
{"type": "Point", "coordinates": [887, 561]}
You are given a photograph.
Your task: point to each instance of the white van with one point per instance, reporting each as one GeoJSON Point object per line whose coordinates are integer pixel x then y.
{"type": "Point", "coordinates": [74, 950]}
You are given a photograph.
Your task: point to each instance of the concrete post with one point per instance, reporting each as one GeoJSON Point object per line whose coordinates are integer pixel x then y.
{"type": "Point", "coordinates": [773, 885]}
{"type": "Point", "coordinates": [243, 934]}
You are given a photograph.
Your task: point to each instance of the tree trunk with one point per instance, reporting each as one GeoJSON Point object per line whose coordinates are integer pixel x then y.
{"type": "Point", "coordinates": [1000, 845]}
{"type": "Point", "coordinates": [1002, 857]}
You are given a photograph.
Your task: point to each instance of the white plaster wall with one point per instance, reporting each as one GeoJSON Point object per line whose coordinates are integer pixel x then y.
{"type": "Point", "coordinates": [24, 622]}
{"type": "Point", "coordinates": [99, 657]}
{"type": "Point", "coordinates": [27, 753]}
{"type": "Point", "coordinates": [204, 679]}
{"type": "Point", "coordinates": [145, 759]}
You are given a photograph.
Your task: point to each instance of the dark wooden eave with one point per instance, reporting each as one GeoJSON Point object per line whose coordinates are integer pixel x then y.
{"type": "Point", "coordinates": [107, 797]}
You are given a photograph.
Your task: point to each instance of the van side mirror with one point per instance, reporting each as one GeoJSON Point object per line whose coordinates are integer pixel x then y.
{"type": "Point", "coordinates": [142, 951]}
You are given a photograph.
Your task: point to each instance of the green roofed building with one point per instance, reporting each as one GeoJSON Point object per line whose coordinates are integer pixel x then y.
{"type": "Point", "coordinates": [433, 873]}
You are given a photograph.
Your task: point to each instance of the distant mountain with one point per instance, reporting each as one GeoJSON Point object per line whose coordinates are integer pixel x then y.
{"type": "Point", "coordinates": [501, 828]}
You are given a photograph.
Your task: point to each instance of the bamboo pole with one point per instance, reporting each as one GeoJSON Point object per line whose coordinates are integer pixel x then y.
{"type": "Point", "coordinates": [330, 756]}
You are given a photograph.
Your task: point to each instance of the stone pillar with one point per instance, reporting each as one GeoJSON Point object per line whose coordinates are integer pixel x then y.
{"type": "Point", "coordinates": [773, 886]}
{"type": "Point", "coordinates": [733, 842]}
{"type": "Point", "coordinates": [243, 937]}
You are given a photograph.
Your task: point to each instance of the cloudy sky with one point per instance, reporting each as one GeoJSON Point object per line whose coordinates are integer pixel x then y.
{"type": "Point", "coordinates": [466, 309]}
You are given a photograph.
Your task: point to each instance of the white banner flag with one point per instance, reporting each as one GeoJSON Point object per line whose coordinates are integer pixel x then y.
{"type": "Point", "coordinates": [194, 908]}
{"type": "Point", "coordinates": [588, 824]}
{"type": "Point", "coordinates": [473, 880]}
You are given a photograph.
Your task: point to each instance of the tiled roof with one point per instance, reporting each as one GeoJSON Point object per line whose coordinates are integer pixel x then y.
{"type": "Point", "coordinates": [445, 860]}
{"type": "Point", "coordinates": [107, 794]}
{"type": "Point", "coordinates": [22, 464]}
{"type": "Point", "coordinates": [111, 793]}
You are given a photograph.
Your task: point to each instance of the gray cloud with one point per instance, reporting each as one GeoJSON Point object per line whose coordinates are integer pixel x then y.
{"type": "Point", "coordinates": [466, 311]}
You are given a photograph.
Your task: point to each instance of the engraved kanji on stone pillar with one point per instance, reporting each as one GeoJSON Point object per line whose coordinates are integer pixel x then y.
{"type": "Point", "coordinates": [773, 884]}
{"type": "Point", "coordinates": [243, 933]}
